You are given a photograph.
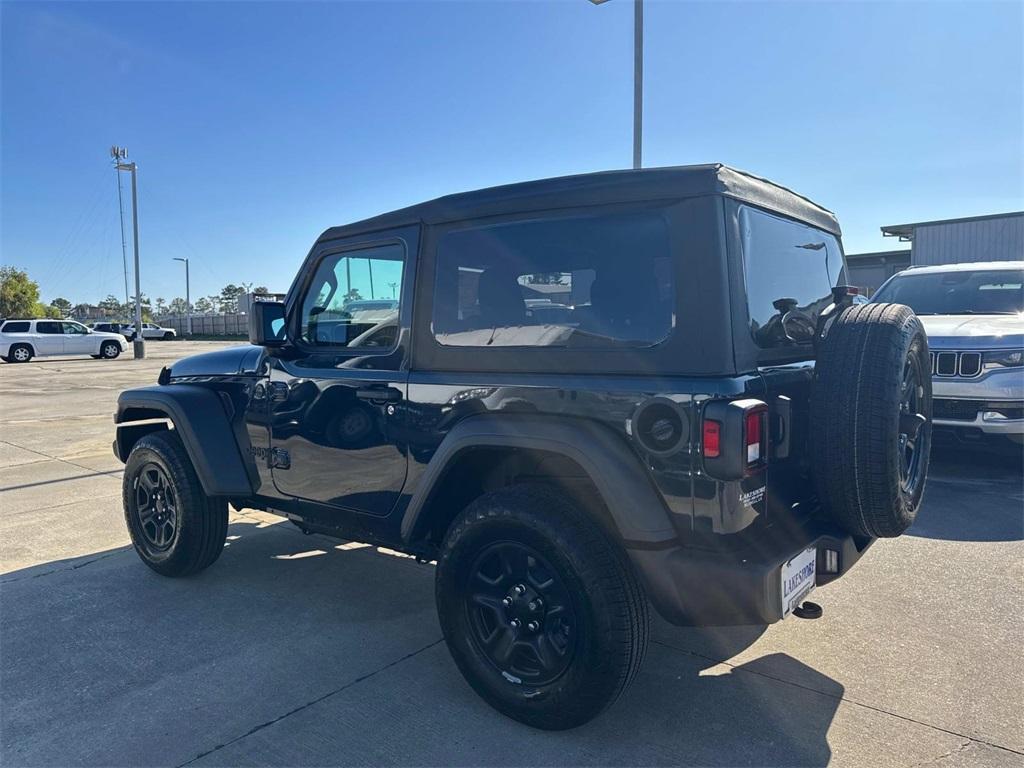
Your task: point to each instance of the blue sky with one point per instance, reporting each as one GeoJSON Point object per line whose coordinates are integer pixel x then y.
{"type": "Point", "coordinates": [258, 125]}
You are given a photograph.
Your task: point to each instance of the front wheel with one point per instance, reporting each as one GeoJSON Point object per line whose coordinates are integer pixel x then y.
{"type": "Point", "coordinates": [168, 336]}
{"type": "Point", "coordinates": [541, 612]}
{"type": "Point", "coordinates": [175, 527]}
{"type": "Point", "coordinates": [110, 350]}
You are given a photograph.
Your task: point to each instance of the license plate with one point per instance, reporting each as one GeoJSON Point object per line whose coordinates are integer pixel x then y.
{"type": "Point", "coordinates": [798, 577]}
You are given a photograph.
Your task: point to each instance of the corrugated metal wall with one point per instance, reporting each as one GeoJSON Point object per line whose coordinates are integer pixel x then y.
{"type": "Point", "coordinates": [997, 239]}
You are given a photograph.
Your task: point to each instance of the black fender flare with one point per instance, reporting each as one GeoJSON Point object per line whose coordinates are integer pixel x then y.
{"type": "Point", "coordinates": [202, 424]}
{"type": "Point", "coordinates": [636, 508]}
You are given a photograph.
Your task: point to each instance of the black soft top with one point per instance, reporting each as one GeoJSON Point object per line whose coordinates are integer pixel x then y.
{"type": "Point", "coordinates": [600, 188]}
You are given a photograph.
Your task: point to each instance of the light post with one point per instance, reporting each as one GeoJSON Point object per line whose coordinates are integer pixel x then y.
{"type": "Point", "coordinates": [119, 154]}
{"type": "Point", "coordinates": [188, 298]}
{"type": "Point", "coordinates": [638, 78]}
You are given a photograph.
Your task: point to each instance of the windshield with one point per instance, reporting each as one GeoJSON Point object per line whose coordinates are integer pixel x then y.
{"type": "Point", "coordinates": [969, 292]}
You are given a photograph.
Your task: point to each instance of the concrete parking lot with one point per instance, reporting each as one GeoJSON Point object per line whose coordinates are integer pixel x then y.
{"type": "Point", "coordinates": [300, 650]}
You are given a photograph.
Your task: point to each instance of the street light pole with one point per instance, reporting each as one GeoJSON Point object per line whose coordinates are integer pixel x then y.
{"type": "Point", "coordinates": [119, 154]}
{"type": "Point", "coordinates": [638, 79]}
{"type": "Point", "coordinates": [188, 297]}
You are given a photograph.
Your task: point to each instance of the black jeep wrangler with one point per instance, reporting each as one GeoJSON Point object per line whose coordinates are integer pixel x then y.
{"type": "Point", "coordinates": [577, 395]}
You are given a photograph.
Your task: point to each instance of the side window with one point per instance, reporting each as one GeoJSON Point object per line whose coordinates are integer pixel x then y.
{"type": "Point", "coordinates": [74, 328]}
{"type": "Point", "coordinates": [790, 269]}
{"type": "Point", "coordinates": [590, 281]}
{"type": "Point", "coordinates": [354, 299]}
{"type": "Point", "coordinates": [45, 326]}
{"type": "Point", "coordinates": [15, 327]}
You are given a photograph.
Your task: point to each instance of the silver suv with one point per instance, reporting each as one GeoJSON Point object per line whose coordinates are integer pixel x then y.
{"type": "Point", "coordinates": [974, 316]}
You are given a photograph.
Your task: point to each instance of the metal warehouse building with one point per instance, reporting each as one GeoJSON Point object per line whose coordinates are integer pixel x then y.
{"type": "Point", "coordinates": [997, 237]}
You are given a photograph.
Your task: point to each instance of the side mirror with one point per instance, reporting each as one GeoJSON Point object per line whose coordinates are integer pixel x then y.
{"type": "Point", "coordinates": [267, 324]}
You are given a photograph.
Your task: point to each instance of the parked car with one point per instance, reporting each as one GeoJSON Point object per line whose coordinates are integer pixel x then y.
{"type": "Point", "coordinates": [974, 316]}
{"type": "Point", "coordinates": [700, 431]}
{"type": "Point", "coordinates": [153, 331]}
{"type": "Point", "coordinates": [120, 328]}
{"type": "Point", "coordinates": [21, 340]}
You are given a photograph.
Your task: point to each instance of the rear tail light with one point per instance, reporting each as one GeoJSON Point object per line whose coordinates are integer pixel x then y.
{"type": "Point", "coordinates": [754, 434]}
{"type": "Point", "coordinates": [735, 438]}
{"type": "Point", "coordinates": [712, 438]}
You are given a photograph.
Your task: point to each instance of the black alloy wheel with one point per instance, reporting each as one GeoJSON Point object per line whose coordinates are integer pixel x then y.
{"type": "Point", "coordinates": [520, 613]}
{"type": "Point", "coordinates": [912, 422]}
{"type": "Point", "coordinates": [156, 507]}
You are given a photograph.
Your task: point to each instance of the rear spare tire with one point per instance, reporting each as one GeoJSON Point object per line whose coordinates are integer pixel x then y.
{"type": "Point", "coordinates": [871, 410]}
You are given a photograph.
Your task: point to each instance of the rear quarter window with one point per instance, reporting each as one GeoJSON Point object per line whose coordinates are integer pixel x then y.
{"type": "Point", "coordinates": [15, 327]}
{"type": "Point", "coordinates": [789, 267]}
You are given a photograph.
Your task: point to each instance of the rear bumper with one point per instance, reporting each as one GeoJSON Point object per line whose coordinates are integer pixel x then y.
{"type": "Point", "coordinates": [699, 587]}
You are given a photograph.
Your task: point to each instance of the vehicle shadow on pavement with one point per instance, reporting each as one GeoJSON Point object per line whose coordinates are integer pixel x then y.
{"type": "Point", "coordinates": [966, 493]}
{"type": "Point", "coordinates": [301, 650]}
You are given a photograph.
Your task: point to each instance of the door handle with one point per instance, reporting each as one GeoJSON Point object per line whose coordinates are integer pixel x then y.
{"type": "Point", "coordinates": [379, 394]}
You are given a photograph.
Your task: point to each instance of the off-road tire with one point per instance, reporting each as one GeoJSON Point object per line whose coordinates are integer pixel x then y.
{"type": "Point", "coordinates": [110, 350]}
{"type": "Point", "coordinates": [12, 353]}
{"type": "Point", "coordinates": [201, 520]}
{"type": "Point", "coordinates": [855, 418]}
{"type": "Point", "coordinates": [610, 607]}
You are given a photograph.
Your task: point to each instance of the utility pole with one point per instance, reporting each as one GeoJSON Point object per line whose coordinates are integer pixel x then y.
{"type": "Point", "coordinates": [188, 297]}
{"type": "Point", "coordinates": [638, 79]}
{"type": "Point", "coordinates": [121, 154]}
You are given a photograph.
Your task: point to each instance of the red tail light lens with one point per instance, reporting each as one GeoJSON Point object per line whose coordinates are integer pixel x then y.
{"type": "Point", "coordinates": [711, 438]}
{"type": "Point", "coordinates": [754, 433]}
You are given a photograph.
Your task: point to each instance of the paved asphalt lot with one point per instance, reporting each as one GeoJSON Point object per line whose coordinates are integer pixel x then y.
{"type": "Point", "coordinates": [298, 650]}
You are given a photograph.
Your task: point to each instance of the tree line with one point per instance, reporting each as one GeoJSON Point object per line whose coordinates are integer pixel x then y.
{"type": "Point", "coordinates": [19, 297]}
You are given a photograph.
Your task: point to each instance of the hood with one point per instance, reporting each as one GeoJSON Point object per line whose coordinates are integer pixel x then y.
{"type": "Point", "coordinates": [243, 359]}
{"type": "Point", "coordinates": [995, 331]}
{"type": "Point", "coordinates": [107, 335]}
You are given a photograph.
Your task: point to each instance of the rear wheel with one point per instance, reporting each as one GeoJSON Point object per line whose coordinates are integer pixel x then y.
{"type": "Point", "coordinates": [541, 611]}
{"type": "Point", "coordinates": [110, 350]}
{"type": "Point", "coordinates": [175, 527]}
{"type": "Point", "coordinates": [19, 353]}
{"type": "Point", "coordinates": [871, 415]}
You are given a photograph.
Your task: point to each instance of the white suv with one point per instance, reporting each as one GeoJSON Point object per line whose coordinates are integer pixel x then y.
{"type": "Point", "coordinates": [153, 331]}
{"type": "Point", "coordinates": [974, 316]}
{"type": "Point", "coordinates": [21, 340]}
